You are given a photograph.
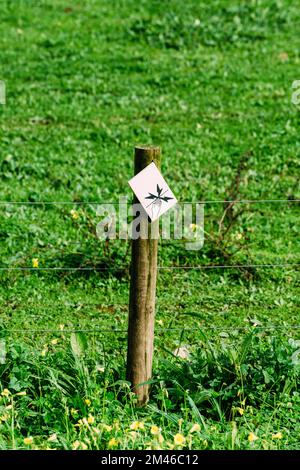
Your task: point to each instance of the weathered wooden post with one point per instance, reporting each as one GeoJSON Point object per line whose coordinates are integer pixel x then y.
{"type": "Point", "coordinates": [142, 292]}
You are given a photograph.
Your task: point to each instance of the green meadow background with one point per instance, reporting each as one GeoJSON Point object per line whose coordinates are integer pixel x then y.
{"type": "Point", "coordinates": [211, 83]}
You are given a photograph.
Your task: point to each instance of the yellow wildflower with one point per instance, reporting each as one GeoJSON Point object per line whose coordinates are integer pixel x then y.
{"type": "Point", "coordinates": [195, 428]}
{"type": "Point", "coordinates": [4, 417]}
{"type": "Point", "coordinates": [134, 425]}
{"type": "Point", "coordinates": [74, 214]}
{"type": "Point", "coordinates": [179, 440]}
{"type": "Point", "coordinates": [8, 407]}
{"type": "Point", "coordinates": [21, 394]}
{"type": "Point", "coordinates": [74, 412]}
{"type": "Point", "coordinates": [54, 341]}
{"type": "Point", "coordinates": [52, 438]}
{"type": "Point", "coordinates": [35, 263]}
{"type": "Point", "coordinates": [107, 428]}
{"type": "Point", "coordinates": [252, 437]}
{"type": "Point", "coordinates": [91, 419]}
{"type": "Point", "coordinates": [5, 392]}
{"type": "Point", "coordinates": [241, 411]}
{"type": "Point", "coordinates": [155, 430]}
{"type": "Point", "coordinates": [278, 435]}
{"type": "Point", "coordinates": [87, 402]}
{"type": "Point", "coordinates": [133, 434]}
{"type": "Point", "coordinates": [137, 425]}
{"type": "Point", "coordinates": [28, 441]}
{"type": "Point", "coordinates": [75, 445]}
{"type": "Point", "coordinates": [112, 443]}
{"type": "Point", "coordinates": [160, 322]}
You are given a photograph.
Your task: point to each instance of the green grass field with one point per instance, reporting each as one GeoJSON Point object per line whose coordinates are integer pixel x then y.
{"type": "Point", "coordinates": [211, 83]}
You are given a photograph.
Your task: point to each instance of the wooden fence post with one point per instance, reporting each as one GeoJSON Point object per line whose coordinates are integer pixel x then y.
{"type": "Point", "coordinates": [142, 292]}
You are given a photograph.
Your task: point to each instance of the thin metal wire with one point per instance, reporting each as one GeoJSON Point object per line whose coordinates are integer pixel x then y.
{"type": "Point", "coordinates": [112, 330]}
{"type": "Point", "coordinates": [216, 201]}
{"type": "Point", "coordinates": [28, 268]}
{"type": "Point", "coordinates": [225, 266]}
{"type": "Point", "coordinates": [125, 266]}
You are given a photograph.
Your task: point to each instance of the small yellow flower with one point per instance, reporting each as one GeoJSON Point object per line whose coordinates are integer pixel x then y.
{"type": "Point", "coordinates": [107, 428]}
{"type": "Point", "coordinates": [74, 214]}
{"type": "Point", "coordinates": [137, 425]}
{"type": "Point", "coordinates": [52, 438]}
{"type": "Point", "coordinates": [155, 430]}
{"type": "Point", "coordinates": [252, 437]}
{"type": "Point", "coordinates": [91, 419]}
{"type": "Point", "coordinates": [87, 402]}
{"type": "Point", "coordinates": [74, 412]}
{"type": "Point", "coordinates": [75, 445]}
{"type": "Point", "coordinates": [195, 428]}
{"type": "Point", "coordinates": [4, 417]}
{"type": "Point", "coordinates": [160, 322]}
{"type": "Point", "coordinates": [8, 407]}
{"type": "Point", "coordinates": [54, 341]}
{"type": "Point", "coordinates": [134, 425]}
{"type": "Point", "coordinates": [278, 435]}
{"type": "Point", "coordinates": [133, 434]}
{"type": "Point", "coordinates": [28, 441]}
{"type": "Point", "coordinates": [21, 394]}
{"type": "Point", "coordinates": [5, 392]}
{"type": "Point", "coordinates": [179, 440]}
{"type": "Point", "coordinates": [239, 236]}
{"type": "Point", "coordinates": [117, 426]}
{"type": "Point", "coordinates": [35, 263]}
{"type": "Point", "coordinates": [44, 352]}
{"type": "Point", "coordinates": [61, 326]}
{"type": "Point", "coordinates": [112, 443]}
{"type": "Point", "coordinates": [241, 411]}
